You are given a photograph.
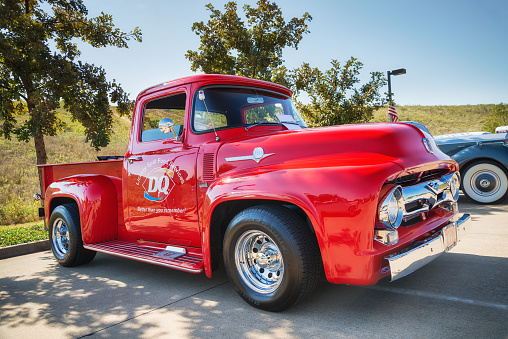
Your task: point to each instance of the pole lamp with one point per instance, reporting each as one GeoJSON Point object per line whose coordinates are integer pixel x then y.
{"type": "Point", "coordinates": [389, 73]}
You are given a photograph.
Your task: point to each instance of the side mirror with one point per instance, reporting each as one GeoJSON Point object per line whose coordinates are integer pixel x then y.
{"type": "Point", "coordinates": [166, 126]}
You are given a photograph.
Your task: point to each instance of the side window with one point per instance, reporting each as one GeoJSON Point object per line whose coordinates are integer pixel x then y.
{"type": "Point", "coordinates": [172, 107]}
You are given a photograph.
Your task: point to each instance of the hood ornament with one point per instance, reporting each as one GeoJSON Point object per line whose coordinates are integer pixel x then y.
{"type": "Point", "coordinates": [428, 145]}
{"type": "Point", "coordinates": [257, 155]}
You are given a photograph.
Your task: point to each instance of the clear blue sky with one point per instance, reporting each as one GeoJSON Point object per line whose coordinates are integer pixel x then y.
{"type": "Point", "coordinates": [455, 52]}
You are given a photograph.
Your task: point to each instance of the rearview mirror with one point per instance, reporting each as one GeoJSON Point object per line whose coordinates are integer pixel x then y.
{"type": "Point", "coordinates": [255, 100]}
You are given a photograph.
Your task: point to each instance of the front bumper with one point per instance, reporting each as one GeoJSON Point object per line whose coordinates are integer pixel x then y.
{"type": "Point", "coordinates": [412, 258]}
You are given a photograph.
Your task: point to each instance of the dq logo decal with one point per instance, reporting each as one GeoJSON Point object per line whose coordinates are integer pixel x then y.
{"type": "Point", "coordinates": [160, 181]}
{"type": "Point", "coordinates": [158, 184]}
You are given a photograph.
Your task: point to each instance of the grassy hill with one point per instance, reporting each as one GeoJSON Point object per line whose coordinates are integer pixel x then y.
{"type": "Point", "coordinates": [442, 119]}
{"type": "Point", "coordinates": [18, 174]}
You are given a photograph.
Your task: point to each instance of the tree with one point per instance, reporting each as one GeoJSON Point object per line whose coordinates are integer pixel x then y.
{"type": "Point", "coordinates": [328, 93]}
{"type": "Point", "coordinates": [497, 117]}
{"type": "Point", "coordinates": [252, 49]}
{"type": "Point", "coordinates": [34, 79]}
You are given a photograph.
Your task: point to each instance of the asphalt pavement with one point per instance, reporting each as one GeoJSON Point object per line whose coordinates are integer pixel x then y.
{"type": "Point", "coordinates": [462, 294]}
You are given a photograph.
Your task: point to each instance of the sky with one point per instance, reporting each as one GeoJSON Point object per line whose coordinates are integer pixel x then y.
{"type": "Point", "coordinates": [455, 51]}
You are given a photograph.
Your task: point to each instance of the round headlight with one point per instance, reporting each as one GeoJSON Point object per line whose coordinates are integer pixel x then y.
{"type": "Point", "coordinates": [391, 210]}
{"type": "Point", "coordinates": [454, 185]}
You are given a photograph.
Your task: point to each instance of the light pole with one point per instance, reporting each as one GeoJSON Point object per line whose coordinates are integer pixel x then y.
{"type": "Point", "coordinates": [389, 73]}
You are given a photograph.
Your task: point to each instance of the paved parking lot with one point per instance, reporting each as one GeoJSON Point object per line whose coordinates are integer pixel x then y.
{"type": "Point", "coordinates": [462, 294]}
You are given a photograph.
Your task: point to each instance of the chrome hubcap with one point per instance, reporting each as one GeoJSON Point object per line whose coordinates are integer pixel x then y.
{"type": "Point", "coordinates": [60, 238]}
{"type": "Point", "coordinates": [485, 183]}
{"type": "Point", "coordinates": [259, 261]}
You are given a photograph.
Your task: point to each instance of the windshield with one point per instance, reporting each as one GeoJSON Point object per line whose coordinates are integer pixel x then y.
{"type": "Point", "coordinates": [227, 107]}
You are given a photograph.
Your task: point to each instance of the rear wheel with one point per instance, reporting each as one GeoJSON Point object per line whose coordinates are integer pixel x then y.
{"type": "Point", "coordinates": [485, 182]}
{"type": "Point", "coordinates": [65, 237]}
{"type": "Point", "coordinates": [271, 257]}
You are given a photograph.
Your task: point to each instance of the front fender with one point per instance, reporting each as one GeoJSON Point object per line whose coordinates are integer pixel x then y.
{"type": "Point", "coordinates": [495, 152]}
{"type": "Point", "coordinates": [97, 201]}
{"type": "Point", "coordinates": [340, 200]}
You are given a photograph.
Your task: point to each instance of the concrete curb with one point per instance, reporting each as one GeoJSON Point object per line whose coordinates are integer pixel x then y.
{"type": "Point", "coordinates": [20, 249]}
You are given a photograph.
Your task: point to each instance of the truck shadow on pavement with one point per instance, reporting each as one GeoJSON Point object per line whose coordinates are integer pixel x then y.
{"type": "Point", "coordinates": [114, 297]}
{"type": "Point", "coordinates": [462, 294]}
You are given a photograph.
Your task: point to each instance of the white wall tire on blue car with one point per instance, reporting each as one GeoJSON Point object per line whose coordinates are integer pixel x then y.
{"type": "Point", "coordinates": [485, 182]}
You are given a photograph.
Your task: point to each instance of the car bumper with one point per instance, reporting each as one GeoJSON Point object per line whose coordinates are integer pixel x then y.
{"type": "Point", "coordinates": [412, 258]}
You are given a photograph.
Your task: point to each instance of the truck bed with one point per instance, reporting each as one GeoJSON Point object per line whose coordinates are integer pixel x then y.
{"type": "Point", "coordinates": [54, 172]}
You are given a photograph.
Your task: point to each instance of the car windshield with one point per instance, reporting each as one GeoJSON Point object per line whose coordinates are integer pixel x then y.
{"type": "Point", "coordinates": [227, 107]}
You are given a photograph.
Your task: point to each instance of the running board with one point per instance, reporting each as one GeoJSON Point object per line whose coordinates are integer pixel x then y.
{"type": "Point", "coordinates": [183, 262]}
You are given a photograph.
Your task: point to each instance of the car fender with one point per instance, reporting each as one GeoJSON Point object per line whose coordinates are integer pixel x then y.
{"type": "Point", "coordinates": [340, 202]}
{"type": "Point", "coordinates": [97, 201]}
{"type": "Point", "coordinates": [496, 152]}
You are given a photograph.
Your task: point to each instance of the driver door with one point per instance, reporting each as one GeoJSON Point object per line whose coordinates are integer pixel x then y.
{"type": "Point", "coordinates": [161, 177]}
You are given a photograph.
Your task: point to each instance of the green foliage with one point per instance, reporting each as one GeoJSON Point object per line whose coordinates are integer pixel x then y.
{"type": "Point", "coordinates": [36, 78]}
{"type": "Point", "coordinates": [498, 117]}
{"type": "Point", "coordinates": [14, 211]}
{"type": "Point", "coordinates": [21, 235]}
{"type": "Point", "coordinates": [328, 92]}
{"type": "Point", "coordinates": [252, 49]}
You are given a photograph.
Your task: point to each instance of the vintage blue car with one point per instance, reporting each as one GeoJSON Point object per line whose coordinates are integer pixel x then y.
{"type": "Point", "coordinates": [483, 161]}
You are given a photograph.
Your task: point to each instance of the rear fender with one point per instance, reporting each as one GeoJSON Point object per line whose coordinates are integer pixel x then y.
{"type": "Point", "coordinates": [97, 201]}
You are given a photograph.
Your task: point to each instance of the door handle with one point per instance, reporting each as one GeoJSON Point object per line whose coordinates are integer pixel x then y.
{"type": "Point", "coordinates": [134, 158]}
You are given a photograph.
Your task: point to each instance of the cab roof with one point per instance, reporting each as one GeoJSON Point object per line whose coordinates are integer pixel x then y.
{"type": "Point", "coordinates": [217, 79]}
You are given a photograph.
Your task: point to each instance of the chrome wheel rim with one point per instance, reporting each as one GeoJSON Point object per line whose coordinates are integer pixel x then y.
{"type": "Point", "coordinates": [60, 238]}
{"type": "Point", "coordinates": [485, 183]}
{"type": "Point", "coordinates": [259, 261]}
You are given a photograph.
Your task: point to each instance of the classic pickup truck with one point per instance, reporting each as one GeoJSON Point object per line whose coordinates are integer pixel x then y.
{"type": "Point", "coordinates": [224, 168]}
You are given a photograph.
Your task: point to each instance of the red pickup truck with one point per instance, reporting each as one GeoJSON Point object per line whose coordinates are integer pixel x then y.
{"type": "Point", "coordinates": [224, 168]}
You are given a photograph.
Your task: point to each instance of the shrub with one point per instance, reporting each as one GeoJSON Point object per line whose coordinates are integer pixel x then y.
{"type": "Point", "coordinates": [21, 235]}
{"type": "Point", "coordinates": [15, 210]}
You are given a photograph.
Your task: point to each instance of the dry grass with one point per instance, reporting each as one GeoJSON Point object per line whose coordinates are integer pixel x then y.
{"type": "Point", "coordinates": [442, 119]}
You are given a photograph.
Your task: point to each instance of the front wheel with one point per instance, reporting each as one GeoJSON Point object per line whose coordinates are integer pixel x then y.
{"type": "Point", "coordinates": [271, 257]}
{"type": "Point", "coordinates": [485, 182]}
{"type": "Point", "coordinates": [65, 237]}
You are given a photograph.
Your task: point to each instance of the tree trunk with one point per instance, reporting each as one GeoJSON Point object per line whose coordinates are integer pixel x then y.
{"type": "Point", "coordinates": [40, 151]}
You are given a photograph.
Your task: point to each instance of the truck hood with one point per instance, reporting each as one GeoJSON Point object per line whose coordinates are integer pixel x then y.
{"type": "Point", "coordinates": [347, 145]}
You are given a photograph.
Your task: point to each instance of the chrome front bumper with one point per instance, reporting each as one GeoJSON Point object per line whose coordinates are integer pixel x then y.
{"type": "Point", "coordinates": [412, 258]}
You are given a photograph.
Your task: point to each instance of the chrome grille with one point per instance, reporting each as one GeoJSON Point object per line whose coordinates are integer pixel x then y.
{"type": "Point", "coordinates": [425, 196]}
{"type": "Point", "coordinates": [413, 179]}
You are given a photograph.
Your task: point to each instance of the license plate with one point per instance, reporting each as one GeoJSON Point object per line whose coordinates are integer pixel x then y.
{"type": "Point", "coordinates": [450, 237]}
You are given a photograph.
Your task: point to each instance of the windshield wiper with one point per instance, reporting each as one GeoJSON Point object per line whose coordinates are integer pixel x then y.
{"type": "Point", "coordinates": [262, 123]}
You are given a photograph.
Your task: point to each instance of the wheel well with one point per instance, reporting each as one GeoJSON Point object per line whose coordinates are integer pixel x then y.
{"type": "Point", "coordinates": [60, 201]}
{"type": "Point", "coordinates": [225, 212]}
